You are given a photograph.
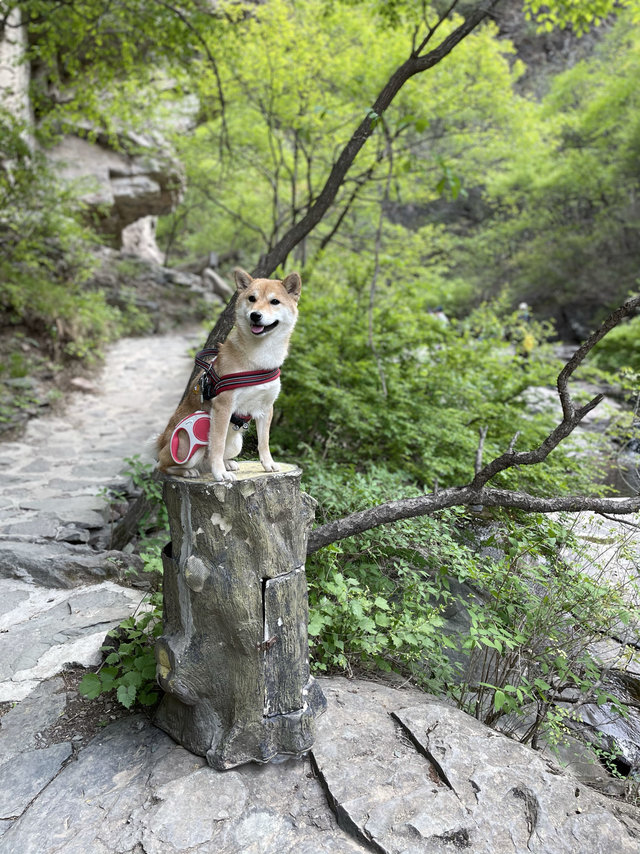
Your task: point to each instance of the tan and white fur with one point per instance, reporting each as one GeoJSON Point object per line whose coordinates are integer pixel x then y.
{"type": "Point", "coordinates": [266, 313]}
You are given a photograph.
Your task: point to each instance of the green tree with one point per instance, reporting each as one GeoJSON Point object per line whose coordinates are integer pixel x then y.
{"type": "Point", "coordinates": [565, 213]}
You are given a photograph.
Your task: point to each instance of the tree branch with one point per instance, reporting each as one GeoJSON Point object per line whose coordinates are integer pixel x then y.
{"type": "Point", "coordinates": [415, 64]}
{"type": "Point", "coordinates": [477, 492]}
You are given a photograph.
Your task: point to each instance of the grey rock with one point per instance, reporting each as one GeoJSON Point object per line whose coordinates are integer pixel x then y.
{"type": "Point", "coordinates": [37, 466]}
{"type": "Point", "coordinates": [41, 526]}
{"type": "Point", "coordinates": [11, 599]}
{"type": "Point", "coordinates": [25, 776]}
{"type": "Point", "coordinates": [139, 238]}
{"type": "Point", "coordinates": [20, 726]}
{"type": "Point", "coordinates": [61, 564]}
{"type": "Point", "coordinates": [427, 777]}
{"type": "Point", "coordinates": [121, 186]}
{"type": "Point", "coordinates": [14, 72]}
{"type": "Point", "coordinates": [84, 509]}
{"type": "Point", "coordinates": [133, 789]}
{"type": "Point", "coordinates": [395, 771]}
{"type": "Point", "coordinates": [217, 284]}
{"type": "Point", "coordinates": [72, 534]}
{"type": "Point", "coordinates": [50, 629]}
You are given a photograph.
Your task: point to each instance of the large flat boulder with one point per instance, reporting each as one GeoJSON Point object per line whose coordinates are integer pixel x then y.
{"type": "Point", "coordinates": [392, 771]}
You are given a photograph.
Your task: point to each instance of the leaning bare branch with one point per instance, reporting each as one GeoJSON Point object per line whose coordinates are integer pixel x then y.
{"type": "Point", "coordinates": [410, 508]}
{"type": "Point", "coordinates": [477, 492]}
{"type": "Point", "coordinates": [572, 415]}
{"type": "Point", "coordinates": [512, 443]}
{"type": "Point", "coordinates": [626, 522]}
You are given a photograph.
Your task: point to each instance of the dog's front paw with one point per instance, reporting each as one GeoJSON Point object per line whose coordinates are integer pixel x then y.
{"type": "Point", "coordinates": [269, 465]}
{"type": "Point", "coordinates": [222, 475]}
{"type": "Point", "coordinates": [178, 471]}
{"type": "Point", "coordinates": [231, 465]}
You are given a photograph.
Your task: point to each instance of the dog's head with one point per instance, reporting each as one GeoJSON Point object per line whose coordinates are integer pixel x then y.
{"type": "Point", "coordinates": [267, 307]}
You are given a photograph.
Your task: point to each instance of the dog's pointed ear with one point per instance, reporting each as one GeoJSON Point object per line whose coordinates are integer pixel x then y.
{"type": "Point", "coordinates": [243, 279]}
{"type": "Point", "coordinates": [293, 284]}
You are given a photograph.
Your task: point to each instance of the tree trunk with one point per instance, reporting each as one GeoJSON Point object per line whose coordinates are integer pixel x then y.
{"type": "Point", "coordinates": [233, 659]}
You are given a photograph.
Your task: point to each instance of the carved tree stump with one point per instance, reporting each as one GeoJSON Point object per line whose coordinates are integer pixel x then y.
{"type": "Point", "coordinates": [233, 660]}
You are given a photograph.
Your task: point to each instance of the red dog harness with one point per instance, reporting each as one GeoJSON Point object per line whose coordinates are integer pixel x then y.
{"type": "Point", "coordinates": [196, 425]}
{"type": "Point", "coordinates": [211, 385]}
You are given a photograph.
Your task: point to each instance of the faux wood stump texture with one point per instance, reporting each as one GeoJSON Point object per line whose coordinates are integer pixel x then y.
{"type": "Point", "coordinates": [233, 660]}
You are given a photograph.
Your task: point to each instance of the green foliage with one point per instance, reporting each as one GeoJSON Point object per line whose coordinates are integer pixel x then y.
{"type": "Point", "coordinates": [620, 349]}
{"type": "Point", "coordinates": [46, 255]}
{"type": "Point", "coordinates": [145, 479]}
{"type": "Point", "coordinates": [521, 648]}
{"type": "Point", "coordinates": [443, 382]}
{"type": "Point", "coordinates": [89, 48]}
{"type": "Point", "coordinates": [564, 196]}
{"type": "Point", "coordinates": [581, 15]}
{"type": "Point", "coordinates": [532, 633]}
{"type": "Point", "coordinates": [129, 666]}
{"type": "Point", "coordinates": [373, 601]}
{"type": "Point", "coordinates": [295, 98]}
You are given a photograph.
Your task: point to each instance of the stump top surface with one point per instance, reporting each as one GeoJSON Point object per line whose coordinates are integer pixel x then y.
{"type": "Point", "coordinates": [248, 470]}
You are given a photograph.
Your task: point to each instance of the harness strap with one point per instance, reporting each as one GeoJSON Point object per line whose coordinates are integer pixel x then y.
{"type": "Point", "coordinates": [209, 354]}
{"type": "Point", "coordinates": [229, 382]}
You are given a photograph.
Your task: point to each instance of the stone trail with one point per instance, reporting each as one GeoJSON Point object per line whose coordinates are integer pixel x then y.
{"type": "Point", "coordinates": [54, 530]}
{"type": "Point", "coordinates": [53, 513]}
{"type": "Point", "coordinates": [392, 771]}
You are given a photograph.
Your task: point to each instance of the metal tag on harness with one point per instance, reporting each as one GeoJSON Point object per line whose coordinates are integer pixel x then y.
{"type": "Point", "coordinates": [240, 422]}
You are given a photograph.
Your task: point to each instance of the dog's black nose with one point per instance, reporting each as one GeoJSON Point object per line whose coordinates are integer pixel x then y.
{"type": "Point", "coordinates": [256, 317]}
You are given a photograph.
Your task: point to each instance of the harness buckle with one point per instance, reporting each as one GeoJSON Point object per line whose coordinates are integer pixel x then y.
{"type": "Point", "coordinates": [206, 387]}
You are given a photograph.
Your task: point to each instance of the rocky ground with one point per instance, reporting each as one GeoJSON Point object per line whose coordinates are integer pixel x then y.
{"type": "Point", "coordinates": [392, 770]}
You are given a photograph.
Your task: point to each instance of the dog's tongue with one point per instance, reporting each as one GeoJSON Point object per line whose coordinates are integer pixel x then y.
{"type": "Point", "coordinates": [257, 329]}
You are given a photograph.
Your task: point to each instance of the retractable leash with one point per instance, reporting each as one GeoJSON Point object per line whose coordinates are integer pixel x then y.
{"type": "Point", "coordinates": [210, 385]}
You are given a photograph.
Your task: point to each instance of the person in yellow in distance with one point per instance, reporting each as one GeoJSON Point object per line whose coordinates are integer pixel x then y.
{"type": "Point", "coordinates": [524, 339]}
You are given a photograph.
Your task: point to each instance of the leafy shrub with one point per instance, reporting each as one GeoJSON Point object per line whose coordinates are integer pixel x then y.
{"type": "Point", "coordinates": [526, 624]}
{"type": "Point", "coordinates": [620, 349]}
{"type": "Point", "coordinates": [377, 600]}
{"type": "Point", "coordinates": [531, 637]}
{"type": "Point", "coordinates": [443, 382]}
{"type": "Point", "coordinates": [46, 255]}
{"type": "Point", "coordinates": [129, 666]}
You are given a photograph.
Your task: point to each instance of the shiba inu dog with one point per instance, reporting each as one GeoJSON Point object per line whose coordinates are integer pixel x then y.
{"type": "Point", "coordinates": [242, 382]}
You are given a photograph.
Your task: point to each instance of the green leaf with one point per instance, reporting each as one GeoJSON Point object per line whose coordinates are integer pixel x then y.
{"type": "Point", "coordinates": [147, 698]}
{"type": "Point", "coordinates": [499, 699]}
{"type": "Point", "coordinates": [126, 695]}
{"type": "Point", "coordinates": [90, 686]}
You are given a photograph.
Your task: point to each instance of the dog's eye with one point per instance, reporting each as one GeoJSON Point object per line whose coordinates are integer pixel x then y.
{"type": "Point", "coordinates": [275, 302]}
{"type": "Point", "coordinates": [252, 298]}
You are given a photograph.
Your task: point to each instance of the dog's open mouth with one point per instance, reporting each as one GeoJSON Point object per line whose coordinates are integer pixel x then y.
{"type": "Point", "coordinates": [260, 330]}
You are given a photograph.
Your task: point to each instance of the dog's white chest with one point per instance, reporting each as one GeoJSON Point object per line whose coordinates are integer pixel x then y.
{"type": "Point", "coordinates": [256, 400]}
